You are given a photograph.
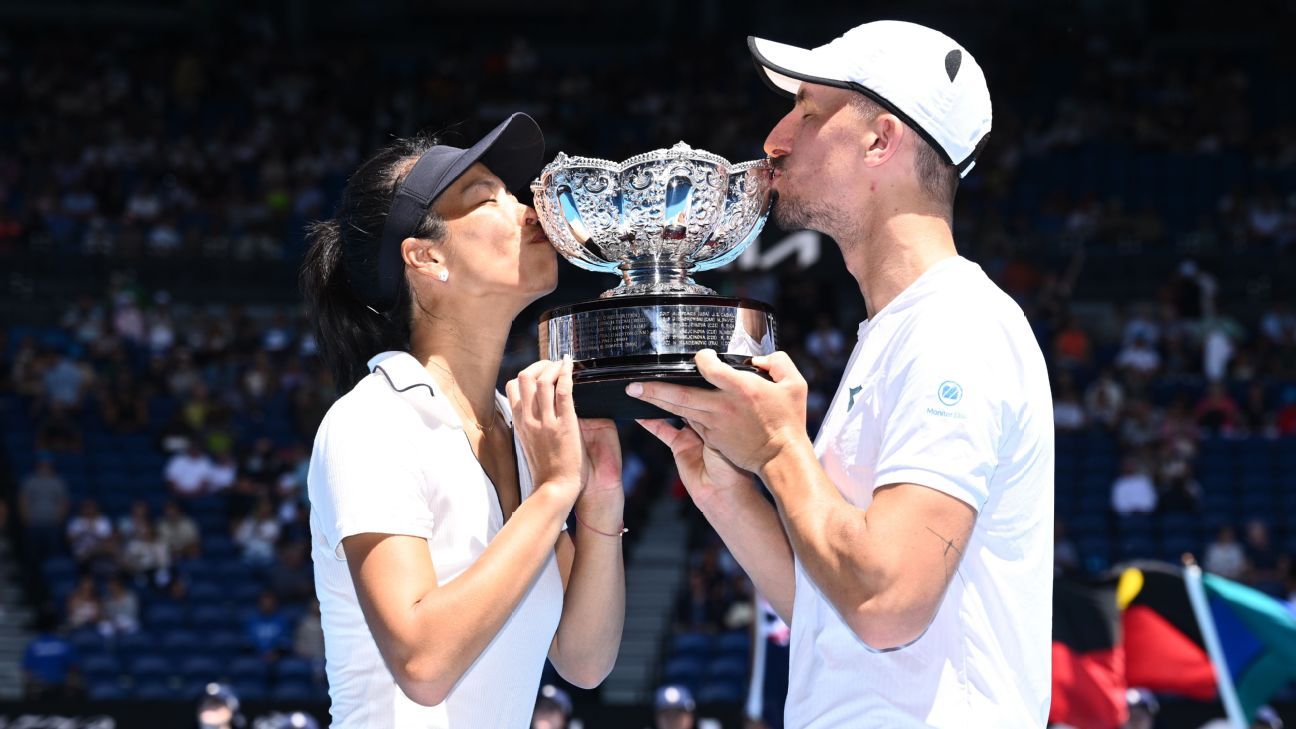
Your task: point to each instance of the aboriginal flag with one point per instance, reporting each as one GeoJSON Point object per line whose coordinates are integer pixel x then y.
{"type": "Point", "coordinates": [1088, 659]}
{"type": "Point", "coordinates": [1206, 637]}
{"type": "Point", "coordinates": [1164, 648]}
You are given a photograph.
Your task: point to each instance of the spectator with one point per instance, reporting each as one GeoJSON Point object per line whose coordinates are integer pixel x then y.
{"type": "Point", "coordinates": [290, 576]}
{"type": "Point", "coordinates": [138, 517]}
{"type": "Point", "coordinates": [1133, 491]}
{"type": "Point", "coordinates": [1217, 412]}
{"type": "Point", "coordinates": [1138, 361]}
{"type": "Point", "coordinates": [1225, 556]}
{"type": "Point", "coordinates": [91, 538]}
{"type": "Point", "coordinates": [43, 509]}
{"type": "Point", "coordinates": [179, 532]}
{"type": "Point", "coordinates": [120, 608]}
{"type": "Point", "coordinates": [308, 638]}
{"type": "Point", "coordinates": [553, 709]}
{"type": "Point", "coordinates": [1068, 414]}
{"type": "Point", "coordinates": [57, 430]}
{"type": "Point", "coordinates": [1066, 558]}
{"type": "Point", "coordinates": [1105, 400]}
{"type": "Point", "coordinates": [268, 632]}
{"type": "Point", "coordinates": [83, 607]}
{"type": "Point", "coordinates": [257, 533]}
{"type": "Point", "coordinates": [1072, 347]}
{"type": "Point", "coordinates": [1255, 415]}
{"type": "Point", "coordinates": [1265, 564]}
{"type": "Point", "coordinates": [826, 343]}
{"type": "Point", "coordinates": [187, 473]}
{"type": "Point", "coordinates": [49, 664]}
{"type": "Point", "coordinates": [673, 708]}
{"type": "Point", "coordinates": [122, 404]}
{"type": "Point", "coordinates": [146, 557]}
{"type": "Point", "coordinates": [65, 383]}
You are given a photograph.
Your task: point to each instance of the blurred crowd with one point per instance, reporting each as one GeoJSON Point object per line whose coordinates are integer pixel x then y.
{"type": "Point", "coordinates": [138, 148]}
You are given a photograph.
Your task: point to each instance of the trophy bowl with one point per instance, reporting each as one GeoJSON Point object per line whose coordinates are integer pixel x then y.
{"type": "Point", "coordinates": [653, 220]}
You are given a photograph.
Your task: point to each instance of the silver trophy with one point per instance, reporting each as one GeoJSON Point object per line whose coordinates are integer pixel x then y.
{"type": "Point", "coordinates": [654, 220]}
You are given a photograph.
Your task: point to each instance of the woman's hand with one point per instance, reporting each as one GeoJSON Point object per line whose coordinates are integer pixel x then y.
{"type": "Point", "coordinates": [545, 422]}
{"type": "Point", "coordinates": [602, 499]}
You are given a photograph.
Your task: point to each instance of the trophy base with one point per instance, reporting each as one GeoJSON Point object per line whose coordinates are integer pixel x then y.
{"type": "Point", "coordinates": [653, 338]}
{"type": "Point", "coordinates": [602, 395]}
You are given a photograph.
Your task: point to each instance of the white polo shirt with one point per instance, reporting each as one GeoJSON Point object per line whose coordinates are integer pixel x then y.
{"type": "Point", "coordinates": [391, 457]}
{"type": "Point", "coordinates": [947, 389]}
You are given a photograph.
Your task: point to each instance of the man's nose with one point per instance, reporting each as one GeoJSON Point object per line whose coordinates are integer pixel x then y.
{"type": "Point", "coordinates": [779, 141]}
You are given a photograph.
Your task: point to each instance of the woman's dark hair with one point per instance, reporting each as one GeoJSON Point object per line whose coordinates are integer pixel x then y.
{"type": "Point", "coordinates": [340, 271]}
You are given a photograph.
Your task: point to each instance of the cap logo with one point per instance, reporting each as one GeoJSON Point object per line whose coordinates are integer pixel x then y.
{"type": "Point", "coordinates": [953, 60]}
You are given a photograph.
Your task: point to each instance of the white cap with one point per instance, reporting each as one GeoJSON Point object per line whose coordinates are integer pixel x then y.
{"type": "Point", "coordinates": [921, 75]}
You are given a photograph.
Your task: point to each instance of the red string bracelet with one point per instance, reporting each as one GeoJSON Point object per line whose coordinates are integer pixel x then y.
{"type": "Point", "coordinates": [618, 535]}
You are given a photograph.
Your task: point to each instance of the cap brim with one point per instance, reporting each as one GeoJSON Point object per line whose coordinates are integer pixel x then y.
{"type": "Point", "coordinates": [514, 151]}
{"type": "Point", "coordinates": [786, 67]}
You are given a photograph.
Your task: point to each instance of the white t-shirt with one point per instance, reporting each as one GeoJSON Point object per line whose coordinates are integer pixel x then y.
{"type": "Point", "coordinates": [188, 473]}
{"type": "Point", "coordinates": [946, 388]}
{"type": "Point", "coordinates": [391, 457]}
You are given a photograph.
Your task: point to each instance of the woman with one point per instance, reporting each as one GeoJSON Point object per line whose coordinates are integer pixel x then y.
{"type": "Point", "coordinates": [442, 567]}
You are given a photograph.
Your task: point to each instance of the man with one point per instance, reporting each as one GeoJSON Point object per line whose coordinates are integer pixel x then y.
{"type": "Point", "coordinates": [553, 708]}
{"type": "Point", "coordinates": [911, 546]}
{"type": "Point", "coordinates": [43, 508]}
{"type": "Point", "coordinates": [673, 708]}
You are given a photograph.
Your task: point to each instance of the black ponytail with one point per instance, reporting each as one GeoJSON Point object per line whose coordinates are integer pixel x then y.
{"type": "Point", "coordinates": [340, 270]}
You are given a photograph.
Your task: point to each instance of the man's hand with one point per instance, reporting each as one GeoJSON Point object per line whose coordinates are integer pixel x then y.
{"type": "Point", "coordinates": [748, 419]}
{"type": "Point", "coordinates": [706, 474]}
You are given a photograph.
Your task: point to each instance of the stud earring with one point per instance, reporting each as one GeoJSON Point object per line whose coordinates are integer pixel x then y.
{"type": "Point", "coordinates": [443, 276]}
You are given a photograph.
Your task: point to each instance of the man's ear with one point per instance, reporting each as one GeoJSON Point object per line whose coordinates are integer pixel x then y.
{"type": "Point", "coordinates": [887, 133]}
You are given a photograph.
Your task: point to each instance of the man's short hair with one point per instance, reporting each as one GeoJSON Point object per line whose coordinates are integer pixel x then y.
{"type": "Point", "coordinates": [938, 178]}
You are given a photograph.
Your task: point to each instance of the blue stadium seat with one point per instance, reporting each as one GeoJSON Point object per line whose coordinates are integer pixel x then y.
{"type": "Point", "coordinates": [723, 692]}
{"type": "Point", "coordinates": [726, 668]}
{"type": "Point", "coordinates": [153, 691]}
{"type": "Point", "coordinates": [100, 667]}
{"type": "Point", "coordinates": [293, 691]}
{"type": "Point", "coordinates": [248, 690]}
{"type": "Point", "coordinates": [1137, 547]}
{"type": "Point", "coordinates": [60, 568]}
{"type": "Point", "coordinates": [182, 641]}
{"type": "Point", "coordinates": [87, 640]}
{"type": "Point", "coordinates": [248, 668]}
{"type": "Point", "coordinates": [225, 641]}
{"type": "Point", "coordinates": [687, 671]}
{"type": "Point", "coordinates": [209, 617]}
{"type": "Point", "coordinates": [163, 616]}
{"type": "Point", "coordinates": [735, 642]}
{"type": "Point", "coordinates": [691, 644]}
{"type": "Point", "coordinates": [105, 691]}
{"type": "Point", "coordinates": [150, 666]}
{"type": "Point", "coordinates": [201, 669]}
{"type": "Point", "coordinates": [292, 668]}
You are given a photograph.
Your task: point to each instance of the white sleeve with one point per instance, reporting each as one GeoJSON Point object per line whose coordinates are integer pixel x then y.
{"type": "Point", "coordinates": [943, 411]}
{"type": "Point", "coordinates": [365, 477]}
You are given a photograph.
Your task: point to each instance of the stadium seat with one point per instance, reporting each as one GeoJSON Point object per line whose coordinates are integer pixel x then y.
{"type": "Point", "coordinates": [735, 642]}
{"type": "Point", "coordinates": [153, 691]}
{"type": "Point", "coordinates": [248, 668]}
{"type": "Point", "coordinates": [724, 692]}
{"type": "Point", "coordinates": [293, 668]}
{"type": "Point", "coordinates": [687, 671]}
{"type": "Point", "coordinates": [164, 616]}
{"type": "Point", "coordinates": [201, 669]}
{"type": "Point", "coordinates": [293, 691]}
{"type": "Point", "coordinates": [181, 641]}
{"type": "Point", "coordinates": [250, 690]}
{"type": "Point", "coordinates": [726, 668]}
{"type": "Point", "coordinates": [105, 691]}
{"type": "Point", "coordinates": [150, 666]}
{"type": "Point", "coordinates": [101, 667]}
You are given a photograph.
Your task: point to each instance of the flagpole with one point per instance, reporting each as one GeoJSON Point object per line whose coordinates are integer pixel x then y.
{"type": "Point", "coordinates": [756, 690]}
{"type": "Point", "coordinates": [1206, 621]}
